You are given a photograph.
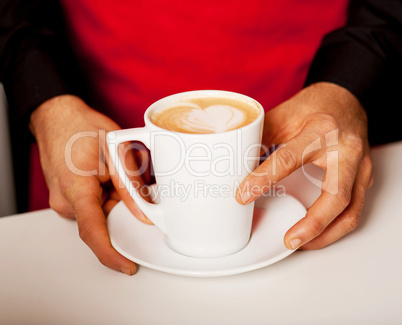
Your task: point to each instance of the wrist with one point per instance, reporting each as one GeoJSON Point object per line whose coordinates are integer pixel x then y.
{"type": "Point", "coordinates": [50, 110]}
{"type": "Point", "coordinates": [332, 91]}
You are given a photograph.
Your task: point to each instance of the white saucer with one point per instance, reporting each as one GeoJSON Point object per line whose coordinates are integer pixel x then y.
{"type": "Point", "coordinates": [144, 244]}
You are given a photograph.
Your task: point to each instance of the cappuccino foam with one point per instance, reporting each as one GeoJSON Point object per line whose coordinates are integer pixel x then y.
{"type": "Point", "coordinates": [205, 115]}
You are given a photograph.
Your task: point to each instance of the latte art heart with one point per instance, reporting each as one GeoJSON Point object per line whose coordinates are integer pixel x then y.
{"type": "Point", "coordinates": [214, 116]}
{"type": "Point", "coordinates": [213, 119]}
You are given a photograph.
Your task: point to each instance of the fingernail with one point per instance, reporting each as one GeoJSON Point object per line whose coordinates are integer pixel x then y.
{"type": "Point", "coordinates": [295, 243]}
{"type": "Point", "coordinates": [245, 197]}
{"type": "Point", "coordinates": [126, 271]}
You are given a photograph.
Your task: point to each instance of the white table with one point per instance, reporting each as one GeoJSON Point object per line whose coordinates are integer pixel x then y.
{"type": "Point", "coordinates": [48, 276]}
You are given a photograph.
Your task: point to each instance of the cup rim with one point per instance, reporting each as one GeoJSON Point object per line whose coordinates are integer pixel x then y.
{"type": "Point", "coordinates": [218, 93]}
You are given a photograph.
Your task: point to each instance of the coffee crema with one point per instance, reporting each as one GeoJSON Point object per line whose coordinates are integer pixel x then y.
{"type": "Point", "coordinates": [205, 115]}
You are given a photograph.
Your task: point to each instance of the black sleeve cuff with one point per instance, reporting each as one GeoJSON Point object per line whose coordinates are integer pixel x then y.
{"type": "Point", "coordinates": [347, 63]}
{"type": "Point", "coordinates": [372, 72]}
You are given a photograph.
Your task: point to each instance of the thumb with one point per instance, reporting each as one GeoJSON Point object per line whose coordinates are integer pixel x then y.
{"type": "Point", "coordinates": [281, 163]}
{"type": "Point", "coordinates": [84, 197]}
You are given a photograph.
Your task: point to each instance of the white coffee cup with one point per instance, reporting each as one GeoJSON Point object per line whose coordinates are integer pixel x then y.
{"type": "Point", "coordinates": [196, 178]}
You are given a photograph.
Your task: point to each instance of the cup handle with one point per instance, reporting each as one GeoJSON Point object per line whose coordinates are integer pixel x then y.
{"type": "Point", "coordinates": [153, 211]}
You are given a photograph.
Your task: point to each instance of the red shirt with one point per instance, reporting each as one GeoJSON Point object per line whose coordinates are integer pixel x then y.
{"type": "Point", "coordinates": [136, 52]}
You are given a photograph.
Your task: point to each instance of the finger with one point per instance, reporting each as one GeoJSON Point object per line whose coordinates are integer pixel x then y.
{"type": "Point", "coordinates": [108, 206]}
{"type": "Point", "coordinates": [112, 199]}
{"type": "Point", "coordinates": [85, 196]}
{"type": "Point", "coordinates": [134, 175]}
{"type": "Point", "coordinates": [285, 160]}
{"type": "Point", "coordinates": [348, 220]}
{"type": "Point", "coordinates": [329, 204]}
{"type": "Point", "coordinates": [143, 160]}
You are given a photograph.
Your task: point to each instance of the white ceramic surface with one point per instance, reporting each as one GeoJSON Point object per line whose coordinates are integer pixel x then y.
{"type": "Point", "coordinates": [144, 244]}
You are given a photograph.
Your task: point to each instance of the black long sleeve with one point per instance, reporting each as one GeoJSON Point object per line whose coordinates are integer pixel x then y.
{"type": "Point", "coordinates": [365, 57]}
{"type": "Point", "coordinates": [36, 62]}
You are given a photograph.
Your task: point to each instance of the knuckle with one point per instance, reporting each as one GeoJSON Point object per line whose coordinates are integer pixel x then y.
{"type": "Point", "coordinates": [348, 174]}
{"type": "Point", "coordinates": [81, 201]}
{"type": "Point", "coordinates": [316, 226]}
{"type": "Point", "coordinates": [287, 159]}
{"type": "Point", "coordinates": [343, 197]}
{"type": "Point", "coordinates": [324, 122]}
{"type": "Point", "coordinates": [366, 164]}
{"type": "Point", "coordinates": [355, 145]}
{"type": "Point", "coordinates": [350, 223]}
{"type": "Point", "coordinates": [60, 206]}
{"type": "Point", "coordinates": [64, 185]}
{"type": "Point", "coordinates": [84, 233]}
{"type": "Point", "coordinates": [328, 123]}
